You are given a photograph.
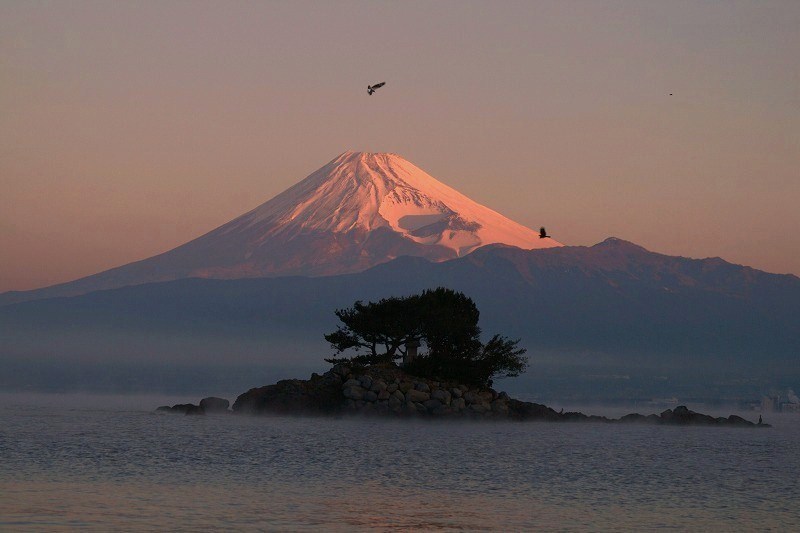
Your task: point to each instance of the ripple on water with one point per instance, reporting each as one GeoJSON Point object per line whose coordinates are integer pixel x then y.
{"type": "Point", "coordinates": [99, 470]}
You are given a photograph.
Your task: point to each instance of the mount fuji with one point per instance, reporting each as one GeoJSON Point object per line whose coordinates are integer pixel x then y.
{"type": "Point", "coordinates": [358, 211]}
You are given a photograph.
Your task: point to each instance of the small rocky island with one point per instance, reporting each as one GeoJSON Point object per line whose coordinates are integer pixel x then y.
{"type": "Point", "coordinates": [387, 391]}
{"type": "Point", "coordinates": [453, 380]}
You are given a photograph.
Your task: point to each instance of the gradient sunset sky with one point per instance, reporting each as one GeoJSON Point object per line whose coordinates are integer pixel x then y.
{"type": "Point", "coordinates": [129, 128]}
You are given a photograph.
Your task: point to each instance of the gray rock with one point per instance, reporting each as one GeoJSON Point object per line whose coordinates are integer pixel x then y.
{"type": "Point", "coordinates": [441, 395]}
{"type": "Point", "coordinates": [354, 393]}
{"type": "Point", "coordinates": [456, 392]}
{"type": "Point", "coordinates": [399, 395]}
{"type": "Point", "coordinates": [421, 386]}
{"type": "Point", "coordinates": [394, 403]}
{"type": "Point", "coordinates": [393, 387]}
{"type": "Point", "coordinates": [472, 397]}
{"type": "Point", "coordinates": [458, 404]}
{"type": "Point", "coordinates": [417, 396]}
{"type": "Point", "coordinates": [366, 381]}
{"type": "Point", "coordinates": [351, 383]}
{"type": "Point", "coordinates": [378, 386]}
{"type": "Point", "coordinates": [370, 396]}
{"type": "Point", "coordinates": [383, 395]}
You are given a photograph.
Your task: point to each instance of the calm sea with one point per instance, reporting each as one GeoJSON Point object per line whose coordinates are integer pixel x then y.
{"type": "Point", "coordinates": [102, 464]}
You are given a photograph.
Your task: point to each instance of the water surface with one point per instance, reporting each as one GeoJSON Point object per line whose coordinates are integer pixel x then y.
{"type": "Point", "coordinates": [71, 465]}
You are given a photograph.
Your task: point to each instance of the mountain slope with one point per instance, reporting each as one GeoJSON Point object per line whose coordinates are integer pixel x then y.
{"type": "Point", "coordinates": [613, 308]}
{"type": "Point", "coordinates": [358, 211]}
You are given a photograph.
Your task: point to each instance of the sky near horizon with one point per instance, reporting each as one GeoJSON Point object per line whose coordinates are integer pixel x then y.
{"type": "Point", "coordinates": [127, 128]}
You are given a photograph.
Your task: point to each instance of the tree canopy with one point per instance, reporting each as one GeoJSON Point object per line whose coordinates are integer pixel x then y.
{"type": "Point", "coordinates": [442, 320]}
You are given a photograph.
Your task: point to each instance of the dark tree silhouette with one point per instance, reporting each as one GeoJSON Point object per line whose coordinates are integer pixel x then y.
{"type": "Point", "coordinates": [445, 321]}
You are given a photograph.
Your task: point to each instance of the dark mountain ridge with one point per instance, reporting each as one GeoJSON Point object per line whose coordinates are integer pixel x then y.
{"type": "Point", "coordinates": [614, 305]}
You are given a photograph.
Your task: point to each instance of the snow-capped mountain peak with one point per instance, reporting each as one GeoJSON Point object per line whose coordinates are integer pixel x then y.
{"type": "Point", "coordinates": [360, 192]}
{"type": "Point", "coordinates": [358, 211]}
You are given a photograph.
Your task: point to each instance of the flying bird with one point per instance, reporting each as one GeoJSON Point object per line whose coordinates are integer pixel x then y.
{"type": "Point", "coordinates": [543, 233]}
{"type": "Point", "coordinates": [371, 88]}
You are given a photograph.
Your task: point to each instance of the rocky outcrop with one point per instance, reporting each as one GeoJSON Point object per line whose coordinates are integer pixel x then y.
{"type": "Point", "coordinates": [210, 405]}
{"type": "Point", "coordinates": [380, 390]}
{"type": "Point", "coordinates": [181, 409]}
{"type": "Point", "coordinates": [682, 416]}
{"type": "Point", "coordinates": [318, 395]}
{"type": "Point", "coordinates": [214, 405]}
{"type": "Point", "coordinates": [385, 390]}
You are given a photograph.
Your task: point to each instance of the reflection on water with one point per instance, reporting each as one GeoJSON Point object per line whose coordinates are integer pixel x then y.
{"type": "Point", "coordinates": [89, 469]}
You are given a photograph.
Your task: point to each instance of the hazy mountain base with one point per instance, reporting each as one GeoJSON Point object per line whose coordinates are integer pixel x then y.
{"type": "Point", "coordinates": [609, 321]}
{"type": "Point", "coordinates": [546, 381]}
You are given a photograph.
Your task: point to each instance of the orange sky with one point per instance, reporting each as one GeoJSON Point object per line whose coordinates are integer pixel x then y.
{"type": "Point", "coordinates": [129, 128]}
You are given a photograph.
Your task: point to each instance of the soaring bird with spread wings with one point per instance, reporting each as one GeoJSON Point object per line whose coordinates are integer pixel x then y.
{"type": "Point", "coordinates": [543, 234]}
{"type": "Point", "coordinates": [371, 88]}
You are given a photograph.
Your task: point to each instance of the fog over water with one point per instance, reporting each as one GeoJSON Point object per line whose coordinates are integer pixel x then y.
{"type": "Point", "coordinates": [101, 463]}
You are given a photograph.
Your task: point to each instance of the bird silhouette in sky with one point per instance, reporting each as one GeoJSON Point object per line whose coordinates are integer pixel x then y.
{"type": "Point", "coordinates": [543, 233]}
{"type": "Point", "coordinates": [371, 88]}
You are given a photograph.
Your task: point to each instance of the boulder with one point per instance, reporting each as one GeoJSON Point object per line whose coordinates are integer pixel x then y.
{"type": "Point", "coordinates": [293, 396]}
{"type": "Point", "coordinates": [354, 392]}
{"type": "Point", "coordinates": [414, 395]}
{"type": "Point", "coordinates": [214, 405]}
{"type": "Point", "coordinates": [394, 403]}
{"type": "Point", "coordinates": [441, 395]}
{"type": "Point", "coordinates": [472, 397]}
{"type": "Point", "coordinates": [370, 396]}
